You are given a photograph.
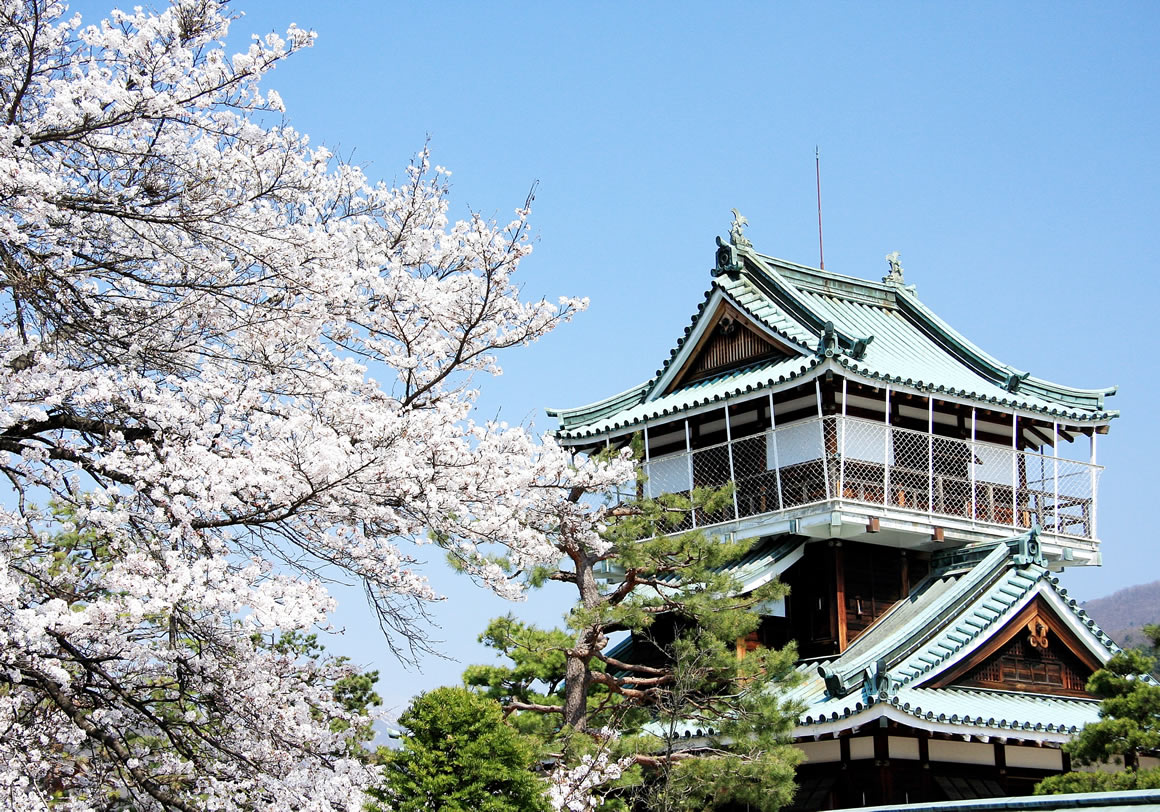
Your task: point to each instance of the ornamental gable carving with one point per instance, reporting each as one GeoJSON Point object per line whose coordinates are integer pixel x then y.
{"type": "Point", "coordinates": [1033, 654]}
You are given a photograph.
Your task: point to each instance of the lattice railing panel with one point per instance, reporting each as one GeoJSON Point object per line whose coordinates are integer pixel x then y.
{"type": "Point", "coordinates": [856, 460]}
{"type": "Point", "coordinates": [910, 470]}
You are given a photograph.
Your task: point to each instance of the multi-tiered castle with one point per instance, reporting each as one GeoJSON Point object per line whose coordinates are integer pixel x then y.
{"type": "Point", "coordinates": [917, 495]}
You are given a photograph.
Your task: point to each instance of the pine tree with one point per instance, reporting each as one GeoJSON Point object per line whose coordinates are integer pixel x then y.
{"type": "Point", "coordinates": [1129, 727]}
{"type": "Point", "coordinates": [673, 592]}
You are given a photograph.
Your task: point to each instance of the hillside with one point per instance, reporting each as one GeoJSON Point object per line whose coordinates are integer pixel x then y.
{"type": "Point", "coordinates": [1124, 612]}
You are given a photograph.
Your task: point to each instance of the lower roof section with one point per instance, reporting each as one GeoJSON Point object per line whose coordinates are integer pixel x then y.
{"type": "Point", "coordinates": [903, 668]}
{"type": "Point", "coordinates": [1085, 801]}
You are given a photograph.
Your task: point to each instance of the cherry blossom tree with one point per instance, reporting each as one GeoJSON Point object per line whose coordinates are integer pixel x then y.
{"type": "Point", "coordinates": [228, 363]}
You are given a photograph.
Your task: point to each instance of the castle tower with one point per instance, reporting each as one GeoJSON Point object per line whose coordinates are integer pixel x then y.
{"type": "Point", "coordinates": [915, 492]}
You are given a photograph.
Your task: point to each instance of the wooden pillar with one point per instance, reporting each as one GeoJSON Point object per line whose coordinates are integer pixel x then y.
{"type": "Point", "coordinates": [729, 450]}
{"type": "Point", "coordinates": [924, 763]}
{"type": "Point", "coordinates": [825, 444]}
{"type": "Point", "coordinates": [689, 460]}
{"type": "Point", "coordinates": [971, 468]}
{"type": "Point", "coordinates": [647, 466]}
{"type": "Point", "coordinates": [842, 445]}
{"type": "Point", "coordinates": [1055, 468]}
{"type": "Point", "coordinates": [1014, 470]}
{"type": "Point", "coordinates": [882, 762]}
{"type": "Point", "coordinates": [1001, 765]}
{"type": "Point", "coordinates": [773, 440]}
{"type": "Point", "coordinates": [904, 577]}
{"type": "Point", "coordinates": [930, 455]}
{"type": "Point", "coordinates": [1095, 494]}
{"type": "Point", "coordinates": [839, 596]}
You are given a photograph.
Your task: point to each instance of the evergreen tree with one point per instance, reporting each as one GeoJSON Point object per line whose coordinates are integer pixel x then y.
{"type": "Point", "coordinates": [1129, 727]}
{"type": "Point", "coordinates": [460, 756]}
{"type": "Point", "coordinates": [673, 592]}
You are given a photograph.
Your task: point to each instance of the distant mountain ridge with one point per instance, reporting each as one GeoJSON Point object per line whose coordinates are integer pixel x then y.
{"type": "Point", "coordinates": [1123, 613]}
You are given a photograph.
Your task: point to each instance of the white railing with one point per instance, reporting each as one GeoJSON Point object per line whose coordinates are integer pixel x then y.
{"type": "Point", "coordinates": [849, 459]}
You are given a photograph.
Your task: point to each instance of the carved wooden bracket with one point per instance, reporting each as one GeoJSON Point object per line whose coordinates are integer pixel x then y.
{"type": "Point", "coordinates": [1038, 631]}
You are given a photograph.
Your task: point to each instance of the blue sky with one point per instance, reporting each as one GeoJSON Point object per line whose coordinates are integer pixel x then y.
{"type": "Point", "coordinates": [1009, 151]}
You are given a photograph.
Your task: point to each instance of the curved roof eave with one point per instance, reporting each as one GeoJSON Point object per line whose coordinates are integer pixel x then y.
{"type": "Point", "coordinates": [601, 408]}
{"type": "Point", "coordinates": [908, 303]}
{"type": "Point", "coordinates": [811, 367]}
{"type": "Point", "coordinates": [899, 710]}
{"type": "Point", "coordinates": [778, 282]}
{"type": "Point", "coordinates": [972, 353]}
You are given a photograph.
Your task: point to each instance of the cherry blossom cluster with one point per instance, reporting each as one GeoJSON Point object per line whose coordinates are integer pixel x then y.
{"type": "Point", "coordinates": [230, 362]}
{"type": "Point", "coordinates": [161, 667]}
{"type": "Point", "coordinates": [574, 789]}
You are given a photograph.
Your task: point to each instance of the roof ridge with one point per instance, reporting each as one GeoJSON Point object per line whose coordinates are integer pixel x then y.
{"type": "Point", "coordinates": [905, 299]}
{"type": "Point", "coordinates": [917, 631]}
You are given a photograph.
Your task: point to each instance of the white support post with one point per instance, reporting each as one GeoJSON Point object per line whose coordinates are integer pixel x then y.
{"type": "Point", "coordinates": [776, 462]}
{"type": "Point", "coordinates": [1095, 494]}
{"type": "Point", "coordinates": [822, 435]}
{"type": "Point", "coordinates": [1014, 469]}
{"type": "Point", "coordinates": [689, 460]}
{"type": "Point", "coordinates": [729, 451]}
{"type": "Point", "coordinates": [886, 443]}
{"type": "Point", "coordinates": [842, 447]}
{"type": "Point", "coordinates": [930, 454]}
{"type": "Point", "coordinates": [1055, 465]}
{"type": "Point", "coordinates": [971, 467]}
{"type": "Point", "coordinates": [647, 466]}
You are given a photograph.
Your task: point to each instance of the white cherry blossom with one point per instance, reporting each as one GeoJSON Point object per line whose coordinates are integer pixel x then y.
{"type": "Point", "coordinates": [230, 362]}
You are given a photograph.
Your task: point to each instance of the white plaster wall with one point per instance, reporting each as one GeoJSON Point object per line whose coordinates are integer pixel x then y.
{"type": "Point", "coordinates": [962, 752]}
{"type": "Point", "coordinates": [822, 751]}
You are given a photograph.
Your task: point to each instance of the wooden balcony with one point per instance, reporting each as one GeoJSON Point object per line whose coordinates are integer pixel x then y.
{"type": "Point", "coordinates": [854, 461]}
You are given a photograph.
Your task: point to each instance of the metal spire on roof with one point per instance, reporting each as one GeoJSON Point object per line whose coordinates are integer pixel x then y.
{"type": "Point", "coordinates": [818, 168]}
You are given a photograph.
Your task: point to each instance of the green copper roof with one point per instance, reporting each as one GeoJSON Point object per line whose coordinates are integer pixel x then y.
{"type": "Point", "coordinates": [881, 332]}
{"type": "Point", "coordinates": [946, 619]}
{"type": "Point", "coordinates": [766, 560]}
{"type": "Point", "coordinates": [949, 617]}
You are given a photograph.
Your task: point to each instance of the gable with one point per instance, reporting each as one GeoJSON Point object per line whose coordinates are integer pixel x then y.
{"type": "Point", "coordinates": [1034, 653]}
{"type": "Point", "coordinates": [731, 345]}
{"type": "Point", "coordinates": [729, 340]}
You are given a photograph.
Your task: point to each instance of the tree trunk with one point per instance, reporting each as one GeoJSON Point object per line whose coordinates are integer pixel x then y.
{"type": "Point", "coordinates": [576, 680]}
{"type": "Point", "coordinates": [577, 671]}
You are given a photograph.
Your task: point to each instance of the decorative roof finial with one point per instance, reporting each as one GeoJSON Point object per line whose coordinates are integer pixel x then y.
{"type": "Point", "coordinates": [737, 231]}
{"type": "Point", "coordinates": [895, 275]}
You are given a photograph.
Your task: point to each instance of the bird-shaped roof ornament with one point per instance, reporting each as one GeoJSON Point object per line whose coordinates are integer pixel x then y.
{"type": "Point", "coordinates": [737, 231]}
